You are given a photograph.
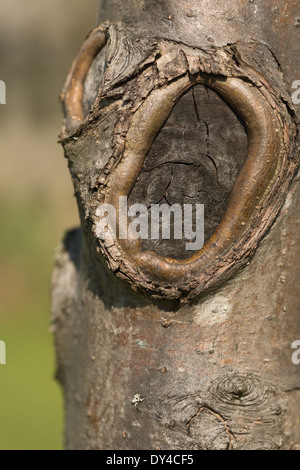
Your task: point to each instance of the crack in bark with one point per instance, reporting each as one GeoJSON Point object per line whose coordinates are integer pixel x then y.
{"type": "Point", "coordinates": [296, 389]}
{"type": "Point", "coordinates": [220, 418]}
{"type": "Point", "coordinates": [170, 162]}
{"type": "Point", "coordinates": [207, 136]}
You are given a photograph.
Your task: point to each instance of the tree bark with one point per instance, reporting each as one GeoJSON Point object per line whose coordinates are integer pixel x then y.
{"type": "Point", "coordinates": [183, 102]}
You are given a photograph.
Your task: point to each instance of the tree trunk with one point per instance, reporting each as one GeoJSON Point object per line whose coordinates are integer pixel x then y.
{"type": "Point", "coordinates": [159, 347]}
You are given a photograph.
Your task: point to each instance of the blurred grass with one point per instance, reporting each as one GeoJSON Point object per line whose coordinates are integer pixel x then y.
{"type": "Point", "coordinates": [31, 403]}
{"type": "Point", "coordinates": [36, 207]}
{"type": "Point", "coordinates": [38, 41]}
{"type": "Point", "coordinates": [31, 407]}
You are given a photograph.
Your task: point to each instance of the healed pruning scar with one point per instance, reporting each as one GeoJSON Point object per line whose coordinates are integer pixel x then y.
{"type": "Point", "coordinates": [267, 151]}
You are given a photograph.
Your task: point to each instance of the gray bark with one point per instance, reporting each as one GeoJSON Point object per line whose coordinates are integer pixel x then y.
{"type": "Point", "coordinates": [212, 370]}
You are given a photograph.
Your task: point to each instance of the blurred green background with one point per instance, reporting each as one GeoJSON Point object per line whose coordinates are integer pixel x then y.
{"type": "Point", "coordinates": [38, 41]}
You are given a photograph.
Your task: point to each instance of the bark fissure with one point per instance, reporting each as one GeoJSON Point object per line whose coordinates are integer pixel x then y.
{"type": "Point", "coordinates": [208, 155]}
{"type": "Point", "coordinates": [231, 437]}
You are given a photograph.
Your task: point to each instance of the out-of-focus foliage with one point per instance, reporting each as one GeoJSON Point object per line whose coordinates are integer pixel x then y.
{"type": "Point", "coordinates": [38, 41]}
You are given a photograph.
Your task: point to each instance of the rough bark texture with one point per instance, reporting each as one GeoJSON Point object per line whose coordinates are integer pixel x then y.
{"type": "Point", "coordinates": [216, 372]}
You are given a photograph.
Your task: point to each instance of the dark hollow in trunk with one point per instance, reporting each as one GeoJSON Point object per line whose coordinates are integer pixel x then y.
{"type": "Point", "coordinates": [195, 158]}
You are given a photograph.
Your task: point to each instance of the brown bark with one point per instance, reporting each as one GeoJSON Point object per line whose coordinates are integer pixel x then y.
{"type": "Point", "coordinates": [198, 356]}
